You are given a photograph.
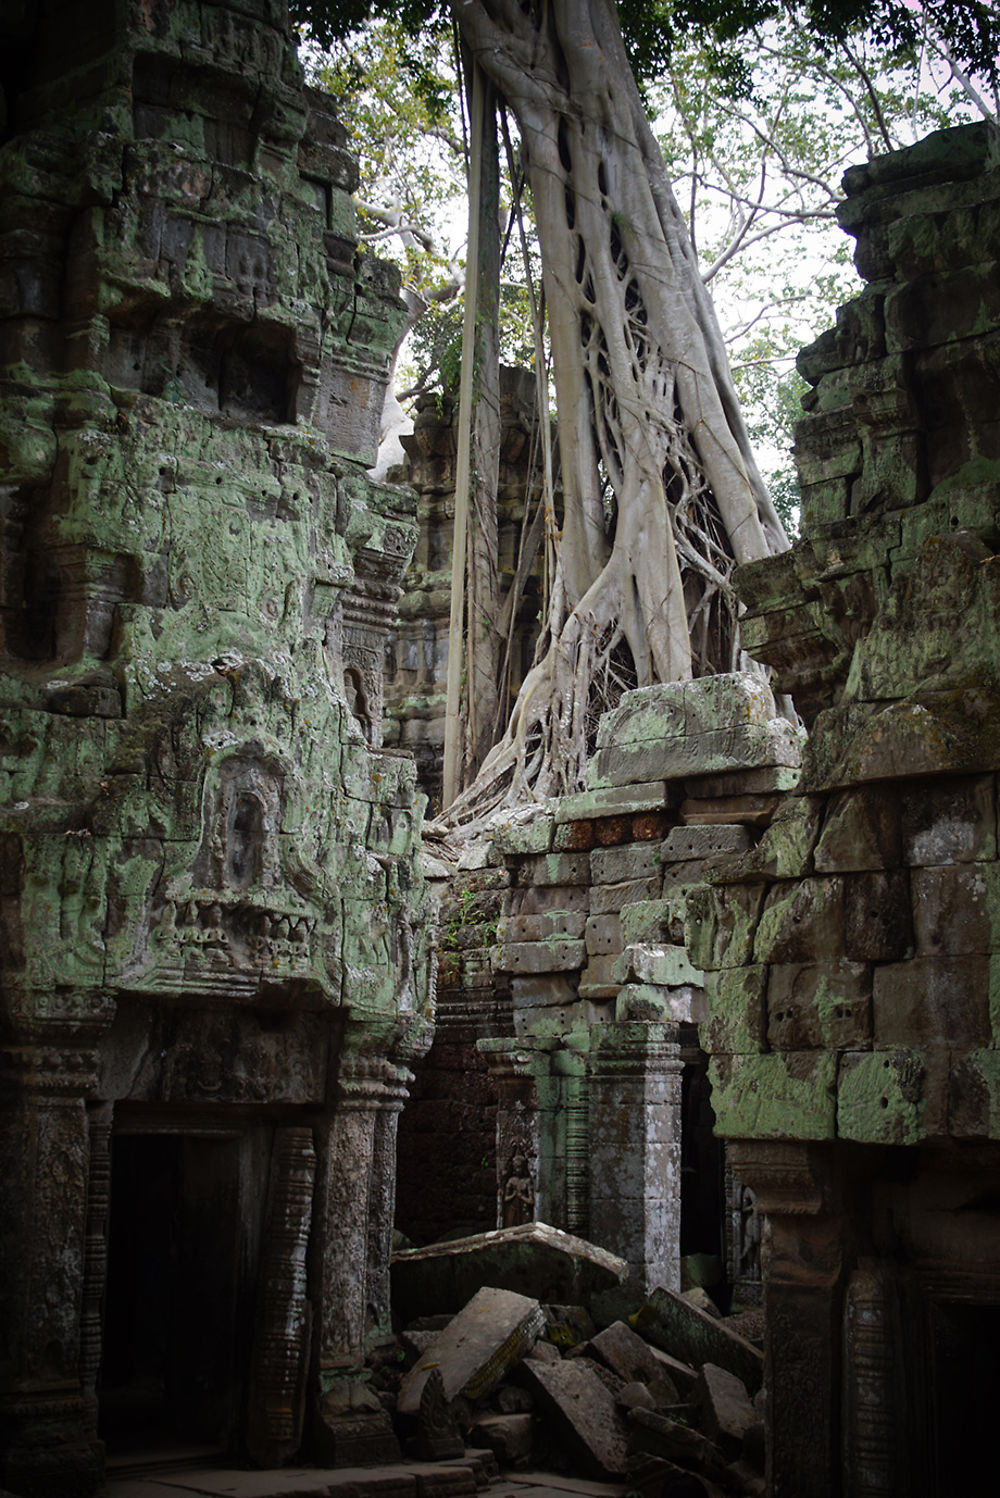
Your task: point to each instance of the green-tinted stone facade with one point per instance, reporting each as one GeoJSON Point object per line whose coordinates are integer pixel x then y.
{"type": "Point", "coordinates": [212, 923]}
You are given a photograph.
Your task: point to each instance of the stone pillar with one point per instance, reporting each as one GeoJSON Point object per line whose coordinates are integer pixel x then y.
{"type": "Point", "coordinates": [281, 1341]}
{"type": "Point", "coordinates": [635, 1148]}
{"type": "Point", "coordinates": [354, 1209]}
{"type": "Point", "coordinates": [48, 1433]}
{"type": "Point", "coordinates": [530, 1177]}
{"type": "Point", "coordinates": [382, 1195]}
{"type": "Point", "coordinates": [803, 1299]}
{"type": "Point", "coordinates": [870, 1457]}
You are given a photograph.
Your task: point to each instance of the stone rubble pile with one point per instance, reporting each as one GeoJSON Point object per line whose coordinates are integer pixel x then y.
{"type": "Point", "coordinates": [619, 1389]}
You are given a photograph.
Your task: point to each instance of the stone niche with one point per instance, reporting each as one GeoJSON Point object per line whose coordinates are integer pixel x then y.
{"type": "Point", "coordinates": [214, 953]}
{"type": "Point", "coordinates": [852, 957]}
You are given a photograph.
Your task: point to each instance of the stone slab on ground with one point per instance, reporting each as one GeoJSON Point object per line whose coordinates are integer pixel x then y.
{"type": "Point", "coordinates": [396, 1481]}
{"type": "Point", "coordinates": [583, 1413]}
{"type": "Point", "coordinates": [681, 1329]}
{"type": "Point", "coordinates": [533, 1259]}
{"type": "Point", "coordinates": [485, 1339]}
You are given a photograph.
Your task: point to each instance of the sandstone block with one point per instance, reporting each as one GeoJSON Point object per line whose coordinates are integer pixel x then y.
{"type": "Point", "coordinates": [541, 899]}
{"type": "Point", "coordinates": [614, 801]}
{"type": "Point", "coordinates": [604, 935]}
{"type": "Point", "coordinates": [507, 1436]}
{"type": "Point", "coordinates": [721, 925]}
{"type": "Point", "coordinates": [802, 921]}
{"type": "Point", "coordinates": [647, 1001]}
{"type": "Point", "coordinates": [605, 898]}
{"type": "Point", "coordinates": [734, 998]}
{"type": "Point", "coordinates": [629, 1356]}
{"type": "Point", "coordinates": [652, 921]}
{"type": "Point", "coordinates": [932, 1002]}
{"type": "Point", "coordinates": [583, 1413]}
{"type": "Point", "coordinates": [726, 1410]}
{"type": "Point", "coordinates": [786, 847]}
{"type": "Point", "coordinates": [633, 861]}
{"type": "Point", "coordinates": [781, 1095]}
{"type": "Point", "coordinates": [687, 1333]}
{"type": "Point", "coordinates": [520, 928]}
{"type": "Point", "coordinates": [861, 831]}
{"type": "Point", "coordinates": [688, 842]}
{"type": "Point", "coordinates": [665, 966]}
{"type": "Point", "coordinates": [877, 922]}
{"type": "Point", "coordinates": [659, 1436]}
{"type": "Point", "coordinates": [476, 1349]}
{"type": "Point", "coordinates": [950, 823]}
{"type": "Point", "coordinates": [892, 1097]}
{"type": "Point", "coordinates": [956, 909]}
{"type": "Point", "coordinates": [527, 835]}
{"type": "Point", "coordinates": [562, 1269]}
{"type": "Point", "coordinates": [558, 954]}
{"type": "Point", "coordinates": [816, 1006]}
{"type": "Point", "coordinates": [550, 869]}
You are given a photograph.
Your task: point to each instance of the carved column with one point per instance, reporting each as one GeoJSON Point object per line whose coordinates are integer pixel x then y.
{"type": "Point", "coordinates": [382, 1196]}
{"type": "Point", "coordinates": [635, 1148]}
{"type": "Point", "coordinates": [284, 1314]}
{"type": "Point", "coordinates": [803, 1298]}
{"type": "Point", "coordinates": [95, 1256]}
{"type": "Point", "coordinates": [530, 1172]}
{"type": "Point", "coordinates": [354, 1208]}
{"type": "Point", "coordinates": [870, 1465]}
{"type": "Point", "coordinates": [48, 1431]}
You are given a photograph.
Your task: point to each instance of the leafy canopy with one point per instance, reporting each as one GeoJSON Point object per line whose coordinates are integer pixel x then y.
{"type": "Point", "coordinates": [970, 28]}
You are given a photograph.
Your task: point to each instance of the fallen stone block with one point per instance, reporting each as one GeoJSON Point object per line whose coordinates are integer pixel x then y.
{"type": "Point", "coordinates": [476, 1349]}
{"type": "Point", "coordinates": [507, 1436]}
{"type": "Point", "coordinates": [699, 1296]}
{"type": "Point", "coordinates": [726, 1411]}
{"type": "Point", "coordinates": [582, 1412]}
{"type": "Point", "coordinates": [671, 1322]}
{"type": "Point", "coordinates": [622, 1350]}
{"type": "Point", "coordinates": [658, 1435]}
{"type": "Point", "coordinates": [533, 1259]}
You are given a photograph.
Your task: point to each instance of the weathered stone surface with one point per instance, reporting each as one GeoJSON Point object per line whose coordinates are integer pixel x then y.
{"type": "Point", "coordinates": [666, 966]}
{"type": "Point", "coordinates": [555, 954]}
{"type": "Point", "coordinates": [556, 1266]}
{"type": "Point", "coordinates": [212, 857]}
{"type": "Point", "coordinates": [725, 1407]}
{"type": "Point", "coordinates": [631, 1358]}
{"type": "Point", "coordinates": [819, 1006]}
{"type": "Point", "coordinates": [671, 1322]}
{"type": "Point", "coordinates": [736, 1018]}
{"type": "Point", "coordinates": [782, 1095]}
{"type": "Point", "coordinates": [710, 726]}
{"type": "Point", "coordinates": [507, 1436]}
{"type": "Point", "coordinates": [478, 1347]}
{"type": "Point", "coordinates": [582, 1412]}
{"type": "Point", "coordinates": [661, 1436]}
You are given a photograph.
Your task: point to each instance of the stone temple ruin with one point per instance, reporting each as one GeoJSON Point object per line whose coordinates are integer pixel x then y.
{"type": "Point", "coordinates": [726, 1020]}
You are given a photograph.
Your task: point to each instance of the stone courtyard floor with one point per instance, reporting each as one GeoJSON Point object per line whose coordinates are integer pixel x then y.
{"type": "Point", "coordinates": [457, 1479]}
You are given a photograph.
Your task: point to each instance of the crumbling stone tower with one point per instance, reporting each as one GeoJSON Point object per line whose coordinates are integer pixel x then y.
{"type": "Point", "coordinates": [852, 956]}
{"type": "Point", "coordinates": [213, 958]}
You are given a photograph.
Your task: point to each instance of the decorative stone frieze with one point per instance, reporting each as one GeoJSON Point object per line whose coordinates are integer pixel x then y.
{"type": "Point", "coordinates": [210, 897]}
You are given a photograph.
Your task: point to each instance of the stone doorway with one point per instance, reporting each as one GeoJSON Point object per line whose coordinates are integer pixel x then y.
{"type": "Point", "coordinates": [169, 1370]}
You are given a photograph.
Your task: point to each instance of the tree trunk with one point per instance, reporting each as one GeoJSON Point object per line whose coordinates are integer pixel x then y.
{"type": "Point", "coordinates": [662, 495]}
{"type": "Point", "coordinates": [484, 644]}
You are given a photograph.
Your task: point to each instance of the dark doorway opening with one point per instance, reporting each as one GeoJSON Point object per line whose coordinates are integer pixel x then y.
{"type": "Point", "coordinates": [966, 1394]}
{"type": "Point", "coordinates": [168, 1369]}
